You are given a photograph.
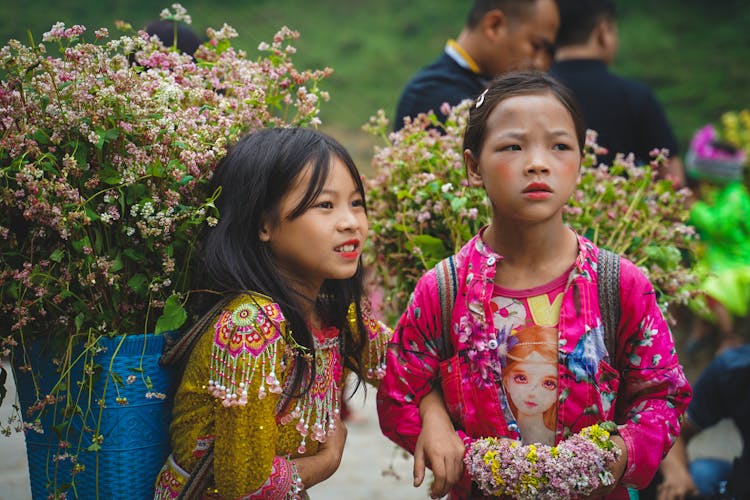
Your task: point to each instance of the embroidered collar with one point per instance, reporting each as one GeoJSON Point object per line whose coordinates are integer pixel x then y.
{"type": "Point", "coordinates": [325, 333]}
{"type": "Point", "coordinates": [491, 257]}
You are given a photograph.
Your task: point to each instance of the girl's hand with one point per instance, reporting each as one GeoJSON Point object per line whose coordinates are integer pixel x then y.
{"type": "Point", "coordinates": [438, 446]}
{"type": "Point", "coordinates": [617, 469]}
{"type": "Point", "coordinates": [333, 449]}
{"type": "Point", "coordinates": [319, 467]}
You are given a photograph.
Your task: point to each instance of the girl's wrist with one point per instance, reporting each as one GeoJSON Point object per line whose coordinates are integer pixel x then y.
{"type": "Point", "coordinates": [297, 489]}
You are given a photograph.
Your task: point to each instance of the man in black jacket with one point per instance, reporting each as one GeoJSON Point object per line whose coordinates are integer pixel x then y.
{"type": "Point", "coordinates": [499, 36]}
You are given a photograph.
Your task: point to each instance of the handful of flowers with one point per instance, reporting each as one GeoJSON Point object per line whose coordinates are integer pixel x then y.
{"type": "Point", "coordinates": [576, 467]}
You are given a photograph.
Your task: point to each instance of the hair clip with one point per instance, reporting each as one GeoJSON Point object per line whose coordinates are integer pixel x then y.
{"type": "Point", "coordinates": [480, 99]}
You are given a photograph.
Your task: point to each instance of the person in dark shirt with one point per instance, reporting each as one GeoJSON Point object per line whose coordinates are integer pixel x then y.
{"type": "Point", "coordinates": [498, 36]}
{"type": "Point", "coordinates": [720, 392]}
{"type": "Point", "coordinates": [624, 112]}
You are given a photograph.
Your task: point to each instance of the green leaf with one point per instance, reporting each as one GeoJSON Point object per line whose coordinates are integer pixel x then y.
{"type": "Point", "coordinates": [90, 213]}
{"type": "Point", "coordinates": [117, 379]}
{"type": "Point", "coordinates": [110, 176]}
{"type": "Point", "coordinates": [432, 248]}
{"type": "Point", "coordinates": [133, 254]}
{"type": "Point", "coordinates": [41, 137]}
{"type": "Point", "coordinates": [156, 170]}
{"type": "Point", "coordinates": [173, 317]}
{"type": "Point", "coordinates": [117, 264]}
{"type": "Point", "coordinates": [94, 447]}
{"type": "Point", "coordinates": [106, 136]}
{"type": "Point", "coordinates": [60, 428]}
{"type": "Point", "coordinates": [57, 255]}
{"type": "Point", "coordinates": [80, 318]}
{"type": "Point", "coordinates": [458, 203]}
{"type": "Point", "coordinates": [138, 283]}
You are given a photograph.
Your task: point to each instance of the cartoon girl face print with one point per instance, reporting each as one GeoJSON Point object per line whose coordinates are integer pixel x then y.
{"type": "Point", "coordinates": [532, 385]}
{"type": "Point", "coordinates": [530, 382]}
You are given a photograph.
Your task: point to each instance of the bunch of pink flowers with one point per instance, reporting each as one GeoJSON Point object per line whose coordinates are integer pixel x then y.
{"type": "Point", "coordinates": [107, 147]}
{"type": "Point", "coordinates": [575, 467]}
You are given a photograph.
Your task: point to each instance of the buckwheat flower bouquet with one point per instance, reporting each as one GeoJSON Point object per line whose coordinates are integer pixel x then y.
{"type": "Point", "coordinates": [107, 147]}
{"type": "Point", "coordinates": [106, 150]}
{"type": "Point", "coordinates": [575, 467]}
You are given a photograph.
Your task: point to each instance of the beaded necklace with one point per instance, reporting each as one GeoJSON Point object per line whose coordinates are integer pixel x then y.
{"type": "Point", "coordinates": [246, 345]}
{"type": "Point", "coordinates": [323, 400]}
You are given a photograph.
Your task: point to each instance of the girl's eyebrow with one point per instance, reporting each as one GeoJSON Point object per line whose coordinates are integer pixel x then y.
{"type": "Point", "coordinates": [333, 191]}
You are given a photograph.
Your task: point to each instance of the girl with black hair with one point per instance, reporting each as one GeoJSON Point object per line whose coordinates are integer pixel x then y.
{"type": "Point", "coordinates": [528, 270]}
{"type": "Point", "coordinates": [258, 406]}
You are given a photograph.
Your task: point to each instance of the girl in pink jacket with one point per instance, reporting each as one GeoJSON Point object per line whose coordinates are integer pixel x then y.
{"type": "Point", "coordinates": [525, 356]}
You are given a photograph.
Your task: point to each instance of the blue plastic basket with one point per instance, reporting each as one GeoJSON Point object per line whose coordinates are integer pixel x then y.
{"type": "Point", "coordinates": [136, 435]}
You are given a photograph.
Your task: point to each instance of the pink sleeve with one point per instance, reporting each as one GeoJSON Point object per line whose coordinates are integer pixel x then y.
{"type": "Point", "coordinates": [283, 483]}
{"type": "Point", "coordinates": [411, 365]}
{"type": "Point", "coordinates": [654, 392]}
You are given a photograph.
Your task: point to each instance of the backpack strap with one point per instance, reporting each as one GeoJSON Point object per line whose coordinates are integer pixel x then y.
{"type": "Point", "coordinates": [178, 351]}
{"type": "Point", "coordinates": [447, 290]}
{"type": "Point", "coordinates": [201, 478]}
{"type": "Point", "coordinates": [176, 354]}
{"type": "Point", "coordinates": [608, 266]}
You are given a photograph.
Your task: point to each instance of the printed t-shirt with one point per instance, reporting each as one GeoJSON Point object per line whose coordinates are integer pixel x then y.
{"type": "Point", "coordinates": [527, 326]}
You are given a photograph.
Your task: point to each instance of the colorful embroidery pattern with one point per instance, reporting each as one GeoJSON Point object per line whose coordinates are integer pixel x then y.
{"type": "Point", "coordinates": [170, 481]}
{"type": "Point", "coordinates": [378, 336]}
{"type": "Point", "coordinates": [247, 330]}
{"type": "Point", "coordinates": [282, 484]}
{"type": "Point", "coordinates": [315, 412]}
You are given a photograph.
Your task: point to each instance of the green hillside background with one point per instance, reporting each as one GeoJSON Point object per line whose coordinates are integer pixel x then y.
{"type": "Point", "coordinates": [694, 53]}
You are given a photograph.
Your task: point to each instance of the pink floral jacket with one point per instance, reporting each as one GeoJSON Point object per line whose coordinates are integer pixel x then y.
{"type": "Point", "coordinates": [643, 390]}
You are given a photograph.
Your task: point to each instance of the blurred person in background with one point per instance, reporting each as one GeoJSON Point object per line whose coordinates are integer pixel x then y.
{"type": "Point", "coordinates": [499, 36]}
{"type": "Point", "coordinates": [187, 40]}
{"type": "Point", "coordinates": [722, 391]}
{"type": "Point", "coordinates": [624, 112]}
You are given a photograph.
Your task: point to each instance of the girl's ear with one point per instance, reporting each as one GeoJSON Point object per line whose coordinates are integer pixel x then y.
{"type": "Point", "coordinates": [472, 169]}
{"type": "Point", "coordinates": [264, 232]}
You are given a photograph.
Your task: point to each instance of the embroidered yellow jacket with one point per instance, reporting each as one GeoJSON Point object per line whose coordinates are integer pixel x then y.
{"type": "Point", "coordinates": [230, 391]}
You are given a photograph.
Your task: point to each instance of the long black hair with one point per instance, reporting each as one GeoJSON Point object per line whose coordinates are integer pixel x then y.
{"type": "Point", "coordinates": [257, 172]}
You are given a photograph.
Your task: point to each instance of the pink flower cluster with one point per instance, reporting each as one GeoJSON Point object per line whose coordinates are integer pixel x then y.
{"type": "Point", "coordinates": [576, 467]}
{"type": "Point", "coordinates": [705, 145]}
{"type": "Point", "coordinates": [106, 152]}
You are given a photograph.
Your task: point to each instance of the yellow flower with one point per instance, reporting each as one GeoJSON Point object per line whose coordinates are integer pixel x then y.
{"type": "Point", "coordinates": [531, 455]}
